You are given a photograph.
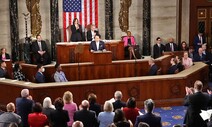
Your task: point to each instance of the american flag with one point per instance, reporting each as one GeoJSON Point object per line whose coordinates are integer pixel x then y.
{"type": "Point", "coordinates": [86, 11]}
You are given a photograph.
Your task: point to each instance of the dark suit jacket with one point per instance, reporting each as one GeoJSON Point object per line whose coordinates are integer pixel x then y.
{"type": "Point", "coordinates": [157, 51]}
{"type": "Point", "coordinates": [149, 118]}
{"type": "Point", "coordinates": [24, 107]}
{"type": "Point", "coordinates": [7, 56]}
{"type": "Point", "coordinates": [88, 118]}
{"type": "Point", "coordinates": [3, 73]}
{"type": "Point", "coordinates": [197, 57]}
{"type": "Point", "coordinates": [168, 47]}
{"type": "Point", "coordinates": [39, 78]}
{"type": "Point", "coordinates": [196, 41]}
{"type": "Point", "coordinates": [95, 107]}
{"type": "Point", "coordinates": [89, 35]}
{"type": "Point", "coordinates": [153, 70]}
{"type": "Point", "coordinates": [35, 47]}
{"type": "Point", "coordinates": [59, 118]}
{"type": "Point", "coordinates": [76, 35]}
{"type": "Point", "coordinates": [93, 45]}
{"type": "Point", "coordinates": [196, 102]}
{"type": "Point", "coordinates": [118, 104]}
{"type": "Point", "coordinates": [172, 69]}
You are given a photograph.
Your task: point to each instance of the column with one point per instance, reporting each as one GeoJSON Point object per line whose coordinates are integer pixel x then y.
{"type": "Point", "coordinates": [109, 19]}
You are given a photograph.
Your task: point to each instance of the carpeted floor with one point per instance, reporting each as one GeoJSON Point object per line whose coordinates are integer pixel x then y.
{"type": "Point", "coordinates": [171, 115]}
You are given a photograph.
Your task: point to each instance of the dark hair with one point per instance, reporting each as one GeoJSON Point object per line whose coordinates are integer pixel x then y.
{"type": "Point", "coordinates": [98, 35]}
{"type": "Point", "coordinates": [75, 20]}
{"type": "Point", "coordinates": [58, 103]}
{"type": "Point", "coordinates": [16, 67]}
{"type": "Point", "coordinates": [57, 65]}
{"type": "Point", "coordinates": [119, 116]}
{"type": "Point", "coordinates": [92, 98]}
{"type": "Point", "coordinates": [39, 66]}
{"type": "Point", "coordinates": [158, 38]}
{"type": "Point", "coordinates": [3, 49]}
{"type": "Point", "coordinates": [37, 107]}
{"type": "Point", "coordinates": [131, 103]}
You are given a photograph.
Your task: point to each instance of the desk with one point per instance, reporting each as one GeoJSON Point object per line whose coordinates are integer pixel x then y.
{"type": "Point", "coordinates": [66, 51]}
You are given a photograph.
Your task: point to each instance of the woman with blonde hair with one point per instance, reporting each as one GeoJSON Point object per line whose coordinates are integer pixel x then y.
{"type": "Point", "coordinates": [70, 106]}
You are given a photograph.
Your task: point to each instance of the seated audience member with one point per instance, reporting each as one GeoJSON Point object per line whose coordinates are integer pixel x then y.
{"type": "Point", "coordinates": [59, 117]}
{"type": "Point", "coordinates": [77, 124]}
{"type": "Point", "coordinates": [186, 61]}
{"type": "Point", "coordinates": [86, 116]}
{"type": "Point", "coordinates": [208, 56]}
{"type": "Point", "coordinates": [191, 52]}
{"type": "Point", "coordinates": [183, 46]}
{"type": "Point", "coordinates": [199, 56]}
{"type": "Point", "coordinates": [158, 48]}
{"type": "Point", "coordinates": [91, 33]}
{"type": "Point", "coordinates": [4, 55]}
{"type": "Point", "coordinates": [173, 69]}
{"type": "Point", "coordinates": [17, 73]}
{"type": "Point", "coordinates": [142, 124]}
{"type": "Point", "coordinates": [37, 118]}
{"type": "Point", "coordinates": [171, 46]}
{"type": "Point", "coordinates": [48, 107]}
{"type": "Point", "coordinates": [10, 116]}
{"type": "Point", "coordinates": [93, 105]}
{"type": "Point", "coordinates": [97, 44]}
{"type": "Point", "coordinates": [196, 102]}
{"type": "Point", "coordinates": [39, 77]}
{"type": "Point", "coordinates": [131, 111]}
{"type": "Point", "coordinates": [118, 104]}
{"type": "Point", "coordinates": [120, 119]}
{"type": "Point", "coordinates": [153, 67]}
{"type": "Point", "coordinates": [106, 118]}
{"type": "Point", "coordinates": [129, 42]}
{"type": "Point", "coordinates": [3, 69]}
{"type": "Point", "coordinates": [149, 118]}
{"type": "Point", "coordinates": [40, 51]}
{"type": "Point", "coordinates": [69, 106]}
{"type": "Point", "coordinates": [59, 75]}
{"type": "Point", "coordinates": [180, 67]}
{"type": "Point", "coordinates": [24, 106]}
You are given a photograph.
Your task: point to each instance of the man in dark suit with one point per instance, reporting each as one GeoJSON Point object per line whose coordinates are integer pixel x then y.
{"type": "Point", "coordinates": [158, 48]}
{"type": "Point", "coordinates": [24, 106]}
{"type": "Point", "coordinates": [3, 70]}
{"type": "Point", "coordinates": [40, 51]}
{"type": "Point", "coordinates": [149, 118]}
{"type": "Point", "coordinates": [199, 40]}
{"type": "Point", "coordinates": [196, 102]}
{"type": "Point", "coordinates": [87, 117]}
{"type": "Point", "coordinates": [171, 46]}
{"type": "Point", "coordinates": [118, 104]}
{"type": "Point", "coordinates": [91, 33]}
{"type": "Point", "coordinates": [39, 77]}
{"type": "Point", "coordinates": [153, 67]}
{"type": "Point", "coordinates": [97, 45]}
{"type": "Point", "coordinates": [199, 56]}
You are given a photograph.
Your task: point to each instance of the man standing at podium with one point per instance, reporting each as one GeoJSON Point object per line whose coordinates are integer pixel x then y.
{"type": "Point", "coordinates": [97, 44]}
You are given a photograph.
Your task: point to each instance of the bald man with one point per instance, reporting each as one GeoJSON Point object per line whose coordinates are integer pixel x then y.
{"type": "Point", "coordinates": [9, 116]}
{"type": "Point", "coordinates": [85, 115]}
{"type": "Point", "coordinates": [77, 124]}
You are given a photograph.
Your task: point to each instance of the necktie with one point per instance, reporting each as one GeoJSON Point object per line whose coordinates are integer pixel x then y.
{"type": "Point", "coordinates": [172, 47]}
{"type": "Point", "coordinates": [40, 47]}
{"type": "Point", "coordinates": [200, 38]}
{"type": "Point", "coordinates": [97, 46]}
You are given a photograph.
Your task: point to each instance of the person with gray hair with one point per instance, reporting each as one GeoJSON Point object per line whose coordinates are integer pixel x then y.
{"type": "Point", "coordinates": [106, 118]}
{"type": "Point", "coordinates": [24, 106]}
{"type": "Point", "coordinates": [86, 116]}
{"type": "Point", "coordinates": [77, 124]}
{"type": "Point", "coordinates": [118, 104]}
{"type": "Point", "coordinates": [9, 116]}
{"type": "Point", "coordinates": [48, 107]}
{"type": "Point", "coordinates": [149, 118]}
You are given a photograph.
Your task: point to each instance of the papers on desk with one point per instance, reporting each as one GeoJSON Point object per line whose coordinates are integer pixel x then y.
{"type": "Point", "coordinates": [206, 114]}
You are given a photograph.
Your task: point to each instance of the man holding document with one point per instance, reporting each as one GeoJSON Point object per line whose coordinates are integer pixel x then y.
{"type": "Point", "coordinates": [196, 101]}
{"type": "Point", "coordinates": [97, 44]}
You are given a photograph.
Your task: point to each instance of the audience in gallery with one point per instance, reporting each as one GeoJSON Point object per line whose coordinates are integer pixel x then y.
{"type": "Point", "coordinates": [86, 116]}
{"type": "Point", "coordinates": [92, 32]}
{"type": "Point", "coordinates": [180, 67]}
{"type": "Point", "coordinates": [153, 67]}
{"type": "Point", "coordinates": [97, 44]}
{"type": "Point", "coordinates": [24, 106]}
{"type": "Point", "coordinates": [120, 119]}
{"type": "Point", "coordinates": [39, 77]}
{"type": "Point", "coordinates": [158, 48]}
{"type": "Point", "coordinates": [69, 106]}
{"type": "Point", "coordinates": [76, 31]}
{"type": "Point", "coordinates": [59, 117]}
{"type": "Point", "coordinates": [131, 111]}
{"type": "Point", "coordinates": [186, 61]}
{"type": "Point", "coordinates": [173, 69]}
{"type": "Point", "coordinates": [59, 75]}
{"type": "Point", "coordinates": [37, 118]}
{"type": "Point", "coordinates": [3, 69]}
{"type": "Point", "coordinates": [183, 46]}
{"type": "Point", "coordinates": [93, 105]}
{"type": "Point", "coordinates": [118, 104]}
{"type": "Point", "coordinates": [10, 116]}
{"type": "Point", "coordinates": [17, 73]}
{"type": "Point", "coordinates": [105, 118]}
{"type": "Point", "coordinates": [4, 55]}
{"type": "Point", "coordinates": [191, 52]}
{"type": "Point", "coordinates": [199, 56]}
{"type": "Point", "coordinates": [149, 118]}
{"type": "Point", "coordinates": [171, 46]}
{"type": "Point", "coordinates": [48, 107]}
{"type": "Point", "coordinates": [129, 43]}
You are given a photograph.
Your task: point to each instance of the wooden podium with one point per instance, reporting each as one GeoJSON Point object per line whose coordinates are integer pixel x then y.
{"type": "Point", "coordinates": [102, 57]}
